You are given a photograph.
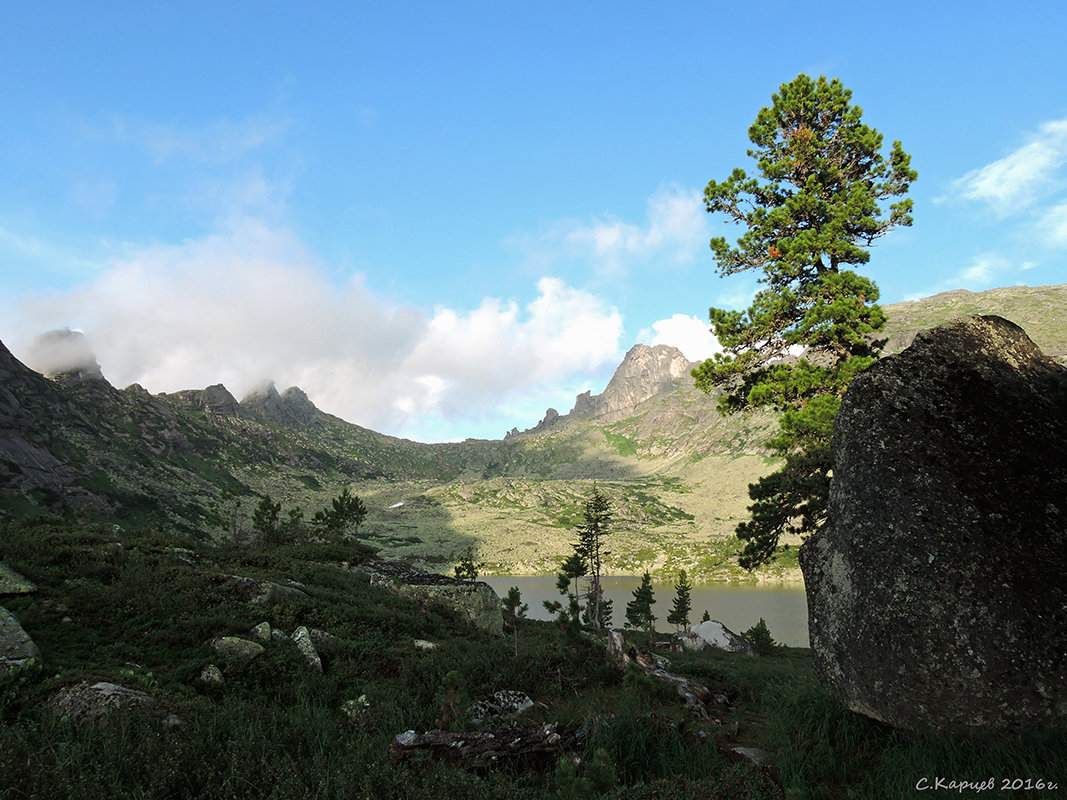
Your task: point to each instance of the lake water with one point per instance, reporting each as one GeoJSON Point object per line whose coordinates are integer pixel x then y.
{"type": "Point", "coordinates": [783, 607]}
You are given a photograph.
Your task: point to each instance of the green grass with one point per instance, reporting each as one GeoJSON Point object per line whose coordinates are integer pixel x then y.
{"type": "Point", "coordinates": [623, 446]}
{"type": "Point", "coordinates": [127, 607]}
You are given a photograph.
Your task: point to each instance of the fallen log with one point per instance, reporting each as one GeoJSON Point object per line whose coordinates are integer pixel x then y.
{"type": "Point", "coordinates": [524, 747]}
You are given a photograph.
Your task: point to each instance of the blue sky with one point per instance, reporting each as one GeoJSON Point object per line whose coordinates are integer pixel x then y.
{"type": "Point", "coordinates": [440, 219]}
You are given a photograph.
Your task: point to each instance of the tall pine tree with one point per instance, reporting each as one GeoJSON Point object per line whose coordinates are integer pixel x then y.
{"type": "Point", "coordinates": [814, 209]}
{"type": "Point", "coordinates": [596, 519]}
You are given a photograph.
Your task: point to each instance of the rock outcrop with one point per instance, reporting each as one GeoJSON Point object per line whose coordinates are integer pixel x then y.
{"type": "Point", "coordinates": [644, 372]}
{"type": "Point", "coordinates": [12, 582]}
{"type": "Point", "coordinates": [290, 409]}
{"type": "Point", "coordinates": [215, 400]}
{"type": "Point", "coordinates": [64, 353]}
{"type": "Point", "coordinates": [936, 593]}
{"type": "Point", "coordinates": [476, 602]}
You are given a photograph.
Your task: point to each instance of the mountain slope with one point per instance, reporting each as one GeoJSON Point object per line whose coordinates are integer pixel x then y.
{"type": "Point", "coordinates": [199, 460]}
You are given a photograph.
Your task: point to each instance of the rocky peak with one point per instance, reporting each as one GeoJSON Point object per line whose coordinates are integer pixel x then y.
{"type": "Point", "coordinates": [64, 354]}
{"type": "Point", "coordinates": [292, 408]}
{"type": "Point", "coordinates": [215, 399]}
{"type": "Point", "coordinates": [299, 406]}
{"type": "Point", "coordinates": [644, 372]}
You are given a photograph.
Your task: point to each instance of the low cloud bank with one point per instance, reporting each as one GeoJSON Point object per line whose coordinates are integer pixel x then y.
{"type": "Point", "coordinates": [252, 303]}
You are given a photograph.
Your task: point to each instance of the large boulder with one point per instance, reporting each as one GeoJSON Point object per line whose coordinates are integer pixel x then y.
{"type": "Point", "coordinates": [712, 633]}
{"type": "Point", "coordinates": [88, 702]}
{"type": "Point", "coordinates": [476, 602]}
{"type": "Point", "coordinates": [937, 596]}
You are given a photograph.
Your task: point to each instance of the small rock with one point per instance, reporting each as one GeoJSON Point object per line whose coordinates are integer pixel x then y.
{"type": "Point", "coordinates": [499, 706]}
{"type": "Point", "coordinates": [13, 583]}
{"type": "Point", "coordinates": [212, 674]}
{"type": "Point", "coordinates": [302, 640]}
{"type": "Point", "coordinates": [237, 648]}
{"type": "Point", "coordinates": [262, 632]}
{"type": "Point", "coordinates": [422, 644]}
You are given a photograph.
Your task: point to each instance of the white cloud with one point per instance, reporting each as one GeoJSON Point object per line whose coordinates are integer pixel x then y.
{"type": "Point", "coordinates": [214, 142]}
{"type": "Point", "coordinates": [1053, 225]}
{"type": "Point", "coordinates": [675, 231]}
{"type": "Point", "coordinates": [250, 303]}
{"type": "Point", "coordinates": [985, 271]}
{"type": "Point", "coordinates": [1013, 183]}
{"type": "Point", "coordinates": [689, 334]}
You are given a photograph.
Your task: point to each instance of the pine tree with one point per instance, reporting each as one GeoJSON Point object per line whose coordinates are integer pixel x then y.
{"type": "Point", "coordinates": [513, 610]}
{"type": "Point", "coordinates": [345, 515]}
{"type": "Point", "coordinates": [639, 610]}
{"type": "Point", "coordinates": [467, 568]}
{"type": "Point", "coordinates": [573, 568]}
{"type": "Point", "coordinates": [596, 519]}
{"type": "Point", "coordinates": [265, 519]}
{"type": "Point", "coordinates": [815, 208]}
{"type": "Point", "coordinates": [679, 615]}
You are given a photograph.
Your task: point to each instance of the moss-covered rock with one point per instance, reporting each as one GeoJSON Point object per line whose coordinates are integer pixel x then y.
{"type": "Point", "coordinates": [13, 583]}
{"type": "Point", "coordinates": [16, 647]}
{"type": "Point", "coordinates": [236, 648]}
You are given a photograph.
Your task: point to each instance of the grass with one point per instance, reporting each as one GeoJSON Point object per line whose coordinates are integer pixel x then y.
{"type": "Point", "coordinates": [623, 446]}
{"type": "Point", "coordinates": [129, 607]}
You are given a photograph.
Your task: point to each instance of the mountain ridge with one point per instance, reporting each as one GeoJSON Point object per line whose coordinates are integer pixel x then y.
{"type": "Point", "coordinates": [675, 470]}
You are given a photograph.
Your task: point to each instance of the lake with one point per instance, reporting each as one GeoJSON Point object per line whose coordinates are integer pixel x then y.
{"type": "Point", "coordinates": [784, 607]}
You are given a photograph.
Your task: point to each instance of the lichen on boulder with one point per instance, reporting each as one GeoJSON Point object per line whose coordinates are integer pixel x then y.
{"type": "Point", "coordinates": [936, 592]}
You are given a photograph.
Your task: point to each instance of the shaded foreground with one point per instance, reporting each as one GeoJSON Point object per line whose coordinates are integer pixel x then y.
{"type": "Point", "coordinates": [142, 609]}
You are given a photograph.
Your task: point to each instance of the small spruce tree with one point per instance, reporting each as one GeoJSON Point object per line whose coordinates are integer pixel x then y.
{"type": "Point", "coordinates": [639, 610]}
{"type": "Point", "coordinates": [679, 616]}
{"type": "Point", "coordinates": [759, 636]}
{"type": "Point", "coordinates": [467, 568]}
{"type": "Point", "coordinates": [265, 519]}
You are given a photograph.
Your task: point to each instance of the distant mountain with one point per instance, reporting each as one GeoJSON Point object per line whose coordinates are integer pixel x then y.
{"type": "Point", "coordinates": [198, 460]}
